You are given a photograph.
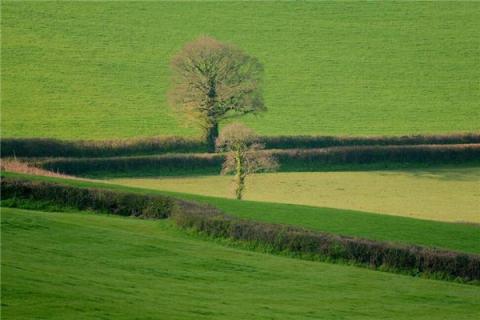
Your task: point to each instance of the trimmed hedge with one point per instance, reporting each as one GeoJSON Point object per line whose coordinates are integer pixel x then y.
{"type": "Point", "coordinates": [376, 255]}
{"type": "Point", "coordinates": [314, 159]}
{"type": "Point", "coordinates": [290, 160]}
{"type": "Point", "coordinates": [118, 203]}
{"type": "Point", "coordinates": [44, 147]}
{"type": "Point", "coordinates": [170, 164]}
{"type": "Point", "coordinates": [313, 142]}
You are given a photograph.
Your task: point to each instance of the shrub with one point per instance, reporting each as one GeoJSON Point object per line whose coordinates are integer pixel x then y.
{"type": "Point", "coordinates": [171, 164]}
{"type": "Point", "coordinates": [44, 147]}
{"type": "Point", "coordinates": [373, 254]}
{"type": "Point", "coordinates": [119, 203]}
{"type": "Point", "coordinates": [289, 160]}
{"type": "Point", "coordinates": [313, 159]}
{"type": "Point", "coordinates": [314, 142]}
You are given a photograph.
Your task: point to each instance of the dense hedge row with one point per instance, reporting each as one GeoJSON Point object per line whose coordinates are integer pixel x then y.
{"type": "Point", "coordinates": [119, 203]}
{"type": "Point", "coordinates": [43, 147]}
{"type": "Point", "coordinates": [171, 164]}
{"type": "Point", "coordinates": [316, 159]}
{"type": "Point", "coordinates": [313, 142]}
{"type": "Point", "coordinates": [376, 255]}
{"type": "Point", "coordinates": [290, 160]}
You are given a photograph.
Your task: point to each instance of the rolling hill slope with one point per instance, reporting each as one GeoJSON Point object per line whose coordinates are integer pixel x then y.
{"type": "Point", "coordinates": [100, 70]}
{"type": "Point", "coordinates": [74, 265]}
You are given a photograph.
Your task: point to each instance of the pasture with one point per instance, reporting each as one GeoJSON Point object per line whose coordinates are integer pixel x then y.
{"type": "Point", "coordinates": [99, 70]}
{"type": "Point", "coordinates": [445, 194]}
{"type": "Point", "coordinates": [372, 116]}
{"type": "Point", "coordinates": [79, 265]}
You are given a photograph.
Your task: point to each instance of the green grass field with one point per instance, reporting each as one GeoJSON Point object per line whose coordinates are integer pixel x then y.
{"type": "Point", "coordinates": [446, 194]}
{"type": "Point", "coordinates": [74, 265]}
{"type": "Point", "coordinates": [453, 236]}
{"type": "Point", "coordinates": [100, 69]}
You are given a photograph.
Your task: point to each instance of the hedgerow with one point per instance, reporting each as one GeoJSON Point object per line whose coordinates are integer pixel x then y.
{"type": "Point", "coordinates": [413, 260]}
{"type": "Point", "coordinates": [113, 202]}
{"type": "Point", "coordinates": [170, 164]}
{"type": "Point", "coordinates": [45, 147]}
{"type": "Point", "coordinates": [314, 142]}
{"type": "Point", "coordinates": [313, 159]}
{"type": "Point", "coordinates": [289, 160]}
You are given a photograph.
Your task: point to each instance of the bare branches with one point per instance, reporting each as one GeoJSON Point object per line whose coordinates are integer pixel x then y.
{"type": "Point", "coordinates": [244, 154]}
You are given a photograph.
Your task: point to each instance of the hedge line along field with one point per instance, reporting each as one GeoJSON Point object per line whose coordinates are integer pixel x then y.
{"type": "Point", "coordinates": [276, 238]}
{"type": "Point", "coordinates": [305, 160]}
{"type": "Point", "coordinates": [416, 73]}
{"type": "Point", "coordinates": [445, 194]}
{"type": "Point", "coordinates": [82, 265]}
{"type": "Point", "coordinates": [450, 236]}
{"type": "Point", "coordinates": [47, 147]}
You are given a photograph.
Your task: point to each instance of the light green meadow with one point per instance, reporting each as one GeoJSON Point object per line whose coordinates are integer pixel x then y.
{"type": "Point", "coordinates": [450, 194]}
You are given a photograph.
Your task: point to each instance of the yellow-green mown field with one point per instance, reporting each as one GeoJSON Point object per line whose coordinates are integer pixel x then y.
{"type": "Point", "coordinates": [437, 194]}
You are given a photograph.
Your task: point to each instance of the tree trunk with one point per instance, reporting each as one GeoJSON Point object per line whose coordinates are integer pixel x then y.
{"type": "Point", "coordinates": [240, 175]}
{"type": "Point", "coordinates": [211, 134]}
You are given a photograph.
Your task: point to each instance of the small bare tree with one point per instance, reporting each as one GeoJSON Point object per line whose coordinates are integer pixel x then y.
{"type": "Point", "coordinates": [244, 155]}
{"type": "Point", "coordinates": [213, 81]}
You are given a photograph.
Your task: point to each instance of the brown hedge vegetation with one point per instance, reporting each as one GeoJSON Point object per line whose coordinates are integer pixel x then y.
{"type": "Point", "coordinates": [289, 160]}
{"type": "Point", "coordinates": [44, 147]}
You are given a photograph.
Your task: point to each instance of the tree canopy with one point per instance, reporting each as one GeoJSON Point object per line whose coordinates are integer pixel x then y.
{"type": "Point", "coordinates": [213, 81]}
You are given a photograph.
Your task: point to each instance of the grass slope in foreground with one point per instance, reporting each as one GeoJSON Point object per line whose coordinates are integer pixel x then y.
{"type": "Point", "coordinates": [458, 237]}
{"type": "Point", "coordinates": [100, 69]}
{"type": "Point", "coordinates": [73, 265]}
{"type": "Point", "coordinates": [445, 194]}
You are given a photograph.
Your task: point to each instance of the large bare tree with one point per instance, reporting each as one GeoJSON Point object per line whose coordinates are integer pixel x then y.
{"type": "Point", "coordinates": [244, 155]}
{"type": "Point", "coordinates": [213, 81]}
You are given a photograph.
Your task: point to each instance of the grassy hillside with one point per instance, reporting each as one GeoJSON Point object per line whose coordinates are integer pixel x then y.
{"type": "Point", "coordinates": [446, 194]}
{"type": "Point", "coordinates": [458, 237]}
{"type": "Point", "coordinates": [73, 265]}
{"type": "Point", "coordinates": [100, 70]}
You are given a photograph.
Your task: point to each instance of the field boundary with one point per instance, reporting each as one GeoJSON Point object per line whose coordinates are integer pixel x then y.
{"type": "Point", "coordinates": [45, 147]}
{"type": "Point", "coordinates": [21, 193]}
{"type": "Point", "coordinates": [414, 260]}
{"type": "Point", "coordinates": [323, 159]}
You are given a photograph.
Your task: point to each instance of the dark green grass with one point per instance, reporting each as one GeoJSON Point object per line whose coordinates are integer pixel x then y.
{"type": "Point", "coordinates": [82, 70]}
{"type": "Point", "coordinates": [453, 236]}
{"type": "Point", "coordinates": [85, 266]}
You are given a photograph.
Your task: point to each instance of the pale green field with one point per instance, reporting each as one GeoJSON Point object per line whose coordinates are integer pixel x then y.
{"type": "Point", "coordinates": [437, 194]}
